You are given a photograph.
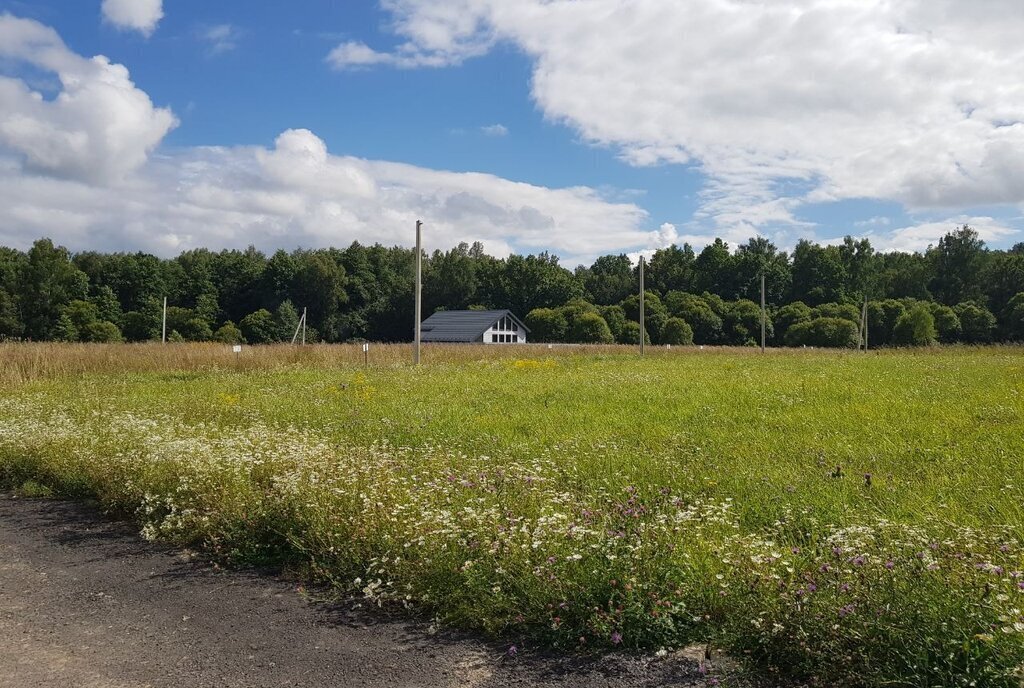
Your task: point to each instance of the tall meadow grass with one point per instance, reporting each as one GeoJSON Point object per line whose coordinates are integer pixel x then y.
{"type": "Point", "coordinates": [835, 517]}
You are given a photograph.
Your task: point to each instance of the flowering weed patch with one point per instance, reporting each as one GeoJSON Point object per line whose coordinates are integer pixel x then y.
{"type": "Point", "coordinates": [851, 520]}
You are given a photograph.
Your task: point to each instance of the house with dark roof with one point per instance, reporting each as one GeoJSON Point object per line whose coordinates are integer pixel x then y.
{"type": "Point", "coordinates": [482, 327]}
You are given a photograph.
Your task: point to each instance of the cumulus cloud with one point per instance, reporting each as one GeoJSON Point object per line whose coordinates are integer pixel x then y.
{"type": "Point", "coordinates": [781, 103]}
{"type": "Point", "coordinates": [920, 235]}
{"type": "Point", "coordinates": [136, 15]}
{"type": "Point", "coordinates": [99, 127]}
{"type": "Point", "coordinates": [83, 167]}
{"type": "Point", "coordinates": [297, 193]}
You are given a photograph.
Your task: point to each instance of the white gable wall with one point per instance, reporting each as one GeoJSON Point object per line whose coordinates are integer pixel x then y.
{"type": "Point", "coordinates": [512, 333]}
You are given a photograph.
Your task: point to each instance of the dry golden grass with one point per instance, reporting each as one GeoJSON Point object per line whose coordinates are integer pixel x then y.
{"type": "Point", "coordinates": [26, 362]}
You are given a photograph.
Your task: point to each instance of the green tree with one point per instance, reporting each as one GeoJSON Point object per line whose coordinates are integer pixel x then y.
{"type": "Point", "coordinates": [10, 322]}
{"type": "Point", "coordinates": [882, 319]}
{"type": "Point", "coordinates": [714, 270]}
{"type": "Point", "coordinates": [823, 332]}
{"type": "Point", "coordinates": [759, 257]}
{"type": "Point", "coordinates": [958, 264]}
{"type": "Point", "coordinates": [196, 329]}
{"type": "Point", "coordinates": [818, 274]}
{"type": "Point", "coordinates": [64, 330]}
{"type": "Point", "coordinates": [1013, 318]}
{"type": "Point", "coordinates": [609, 280]}
{"type": "Point", "coordinates": [677, 332]}
{"type": "Point", "coordinates": [631, 334]}
{"type": "Point", "coordinates": [947, 324]}
{"type": "Point", "coordinates": [101, 332]}
{"type": "Point", "coordinates": [1003, 278]}
{"type": "Point", "coordinates": [81, 314]}
{"type": "Point", "coordinates": [140, 327]}
{"type": "Point", "coordinates": [916, 327]}
{"type": "Point", "coordinates": [861, 268]}
{"type": "Point", "coordinates": [319, 286]}
{"type": "Point", "coordinates": [533, 282]}
{"type": "Point", "coordinates": [789, 315]}
{"type": "Point", "coordinates": [695, 310]}
{"type": "Point", "coordinates": [450, 279]}
{"type": "Point", "coordinates": [743, 324]}
{"type": "Point", "coordinates": [228, 333]}
{"type": "Point", "coordinates": [286, 321]}
{"type": "Point", "coordinates": [12, 263]}
{"type": "Point", "coordinates": [590, 328]}
{"type": "Point", "coordinates": [976, 322]}
{"type": "Point", "coordinates": [48, 282]}
{"type": "Point", "coordinates": [672, 269]}
{"type": "Point", "coordinates": [258, 327]}
{"type": "Point", "coordinates": [616, 319]}
{"type": "Point", "coordinates": [107, 306]}
{"type": "Point", "coordinates": [547, 325]}
{"type": "Point", "coordinates": [655, 313]}
{"type": "Point", "coordinates": [838, 310]}
{"type": "Point", "coordinates": [903, 275]}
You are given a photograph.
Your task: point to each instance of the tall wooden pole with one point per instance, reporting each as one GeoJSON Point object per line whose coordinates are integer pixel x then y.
{"type": "Point", "coordinates": [163, 335]}
{"type": "Point", "coordinates": [764, 317]}
{"type": "Point", "coordinates": [642, 331]}
{"type": "Point", "coordinates": [419, 290]}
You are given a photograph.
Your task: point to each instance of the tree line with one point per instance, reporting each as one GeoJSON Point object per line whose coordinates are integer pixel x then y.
{"type": "Point", "coordinates": [956, 291]}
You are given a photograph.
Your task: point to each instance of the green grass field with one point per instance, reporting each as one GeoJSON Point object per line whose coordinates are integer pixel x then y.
{"type": "Point", "coordinates": [849, 518]}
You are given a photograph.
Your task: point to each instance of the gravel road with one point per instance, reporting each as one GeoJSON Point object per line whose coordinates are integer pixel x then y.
{"type": "Point", "coordinates": [86, 603]}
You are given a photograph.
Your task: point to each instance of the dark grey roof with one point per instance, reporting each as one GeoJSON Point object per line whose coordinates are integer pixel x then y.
{"type": "Point", "coordinates": [461, 326]}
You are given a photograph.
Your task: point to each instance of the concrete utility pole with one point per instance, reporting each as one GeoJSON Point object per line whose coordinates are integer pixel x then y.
{"type": "Point", "coordinates": [419, 290]}
{"type": "Point", "coordinates": [163, 335]}
{"type": "Point", "coordinates": [303, 326]}
{"type": "Point", "coordinates": [764, 317]}
{"type": "Point", "coordinates": [864, 322]}
{"type": "Point", "coordinates": [642, 305]}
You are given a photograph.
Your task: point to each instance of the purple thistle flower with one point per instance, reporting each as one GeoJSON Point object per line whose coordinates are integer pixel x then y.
{"type": "Point", "coordinates": [890, 565]}
{"type": "Point", "coordinates": [616, 638]}
{"type": "Point", "coordinates": [512, 651]}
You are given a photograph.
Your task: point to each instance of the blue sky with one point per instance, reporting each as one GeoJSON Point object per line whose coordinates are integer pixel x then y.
{"type": "Point", "coordinates": [600, 126]}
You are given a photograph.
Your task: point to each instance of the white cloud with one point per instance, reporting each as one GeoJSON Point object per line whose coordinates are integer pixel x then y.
{"type": "Point", "coordinates": [353, 54]}
{"type": "Point", "coordinates": [137, 15]}
{"type": "Point", "coordinates": [296, 193]}
{"type": "Point", "coordinates": [221, 38]}
{"type": "Point", "coordinates": [876, 221]}
{"type": "Point", "coordinates": [99, 127]}
{"type": "Point", "coordinates": [918, 236]}
{"type": "Point", "coordinates": [781, 103]}
{"type": "Point", "coordinates": [82, 169]}
{"type": "Point", "coordinates": [496, 130]}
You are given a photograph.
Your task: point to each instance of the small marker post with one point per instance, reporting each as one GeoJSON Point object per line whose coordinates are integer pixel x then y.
{"type": "Point", "coordinates": [366, 354]}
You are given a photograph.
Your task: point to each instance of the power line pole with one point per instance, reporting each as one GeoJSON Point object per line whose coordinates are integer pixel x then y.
{"type": "Point", "coordinates": [642, 331]}
{"type": "Point", "coordinates": [419, 290]}
{"type": "Point", "coordinates": [864, 320]}
{"type": "Point", "coordinates": [764, 317]}
{"type": "Point", "coordinates": [303, 326]}
{"type": "Point", "coordinates": [163, 335]}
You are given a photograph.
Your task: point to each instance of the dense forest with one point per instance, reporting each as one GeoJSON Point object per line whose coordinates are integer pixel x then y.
{"type": "Point", "coordinates": [955, 291]}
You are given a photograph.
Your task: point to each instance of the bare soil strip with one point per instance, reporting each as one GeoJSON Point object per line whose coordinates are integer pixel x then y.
{"type": "Point", "coordinates": [85, 602]}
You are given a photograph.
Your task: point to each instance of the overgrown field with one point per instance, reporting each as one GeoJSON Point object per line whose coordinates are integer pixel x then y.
{"type": "Point", "coordinates": [852, 519]}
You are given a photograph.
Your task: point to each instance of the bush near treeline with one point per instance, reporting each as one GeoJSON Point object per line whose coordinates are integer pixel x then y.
{"type": "Point", "coordinates": [955, 291]}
